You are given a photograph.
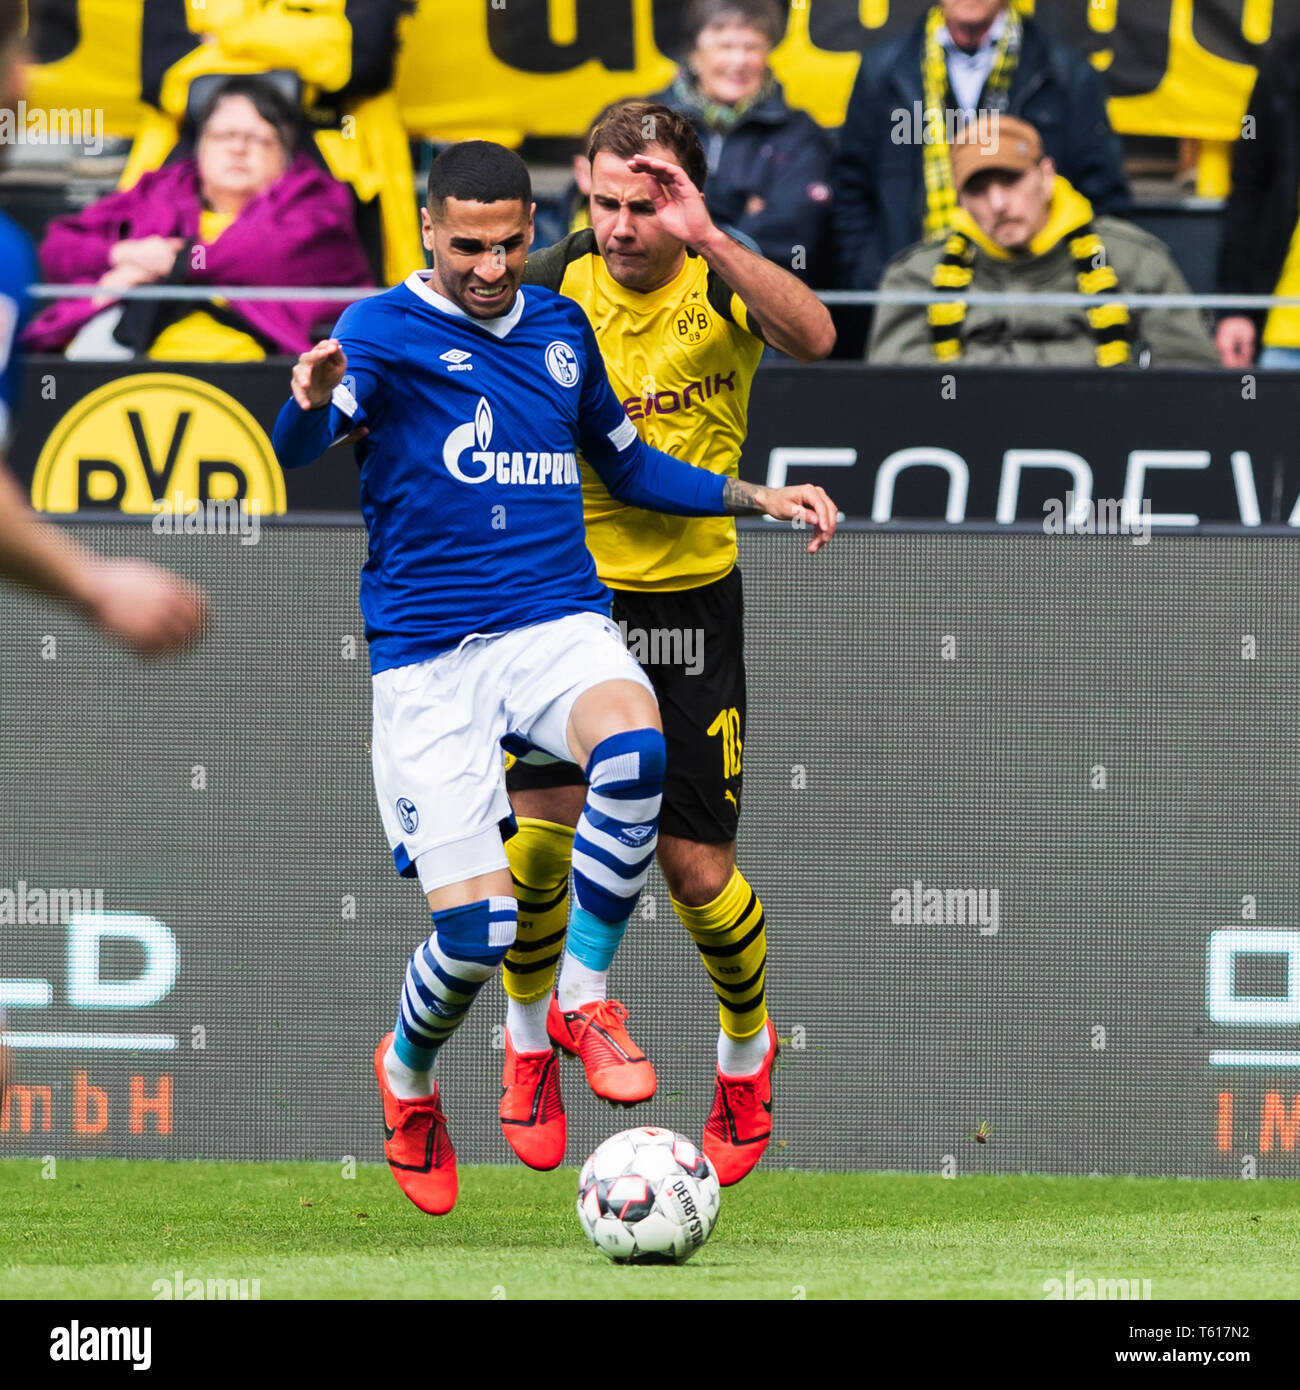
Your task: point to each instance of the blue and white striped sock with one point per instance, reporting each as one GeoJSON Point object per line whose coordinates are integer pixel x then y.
{"type": "Point", "coordinates": [442, 978]}
{"type": "Point", "coordinates": [613, 848]}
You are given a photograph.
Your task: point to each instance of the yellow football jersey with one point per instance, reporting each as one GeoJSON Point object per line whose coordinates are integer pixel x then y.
{"type": "Point", "coordinates": [681, 359]}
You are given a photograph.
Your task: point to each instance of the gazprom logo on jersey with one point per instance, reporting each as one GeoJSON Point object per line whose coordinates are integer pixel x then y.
{"type": "Point", "coordinates": [527, 467]}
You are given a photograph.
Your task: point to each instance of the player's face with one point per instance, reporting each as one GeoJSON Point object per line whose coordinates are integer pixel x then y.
{"type": "Point", "coordinates": [479, 250]}
{"type": "Point", "coordinates": [1010, 208]}
{"type": "Point", "coordinates": [636, 250]}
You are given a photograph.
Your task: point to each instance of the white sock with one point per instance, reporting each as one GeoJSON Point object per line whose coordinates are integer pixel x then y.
{"type": "Point", "coordinates": [407, 1084]}
{"type": "Point", "coordinates": [578, 984]}
{"type": "Point", "coordinates": [742, 1056]}
{"type": "Point", "coordinates": [526, 1024]}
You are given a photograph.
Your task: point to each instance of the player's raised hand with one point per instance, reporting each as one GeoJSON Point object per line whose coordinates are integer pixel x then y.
{"type": "Point", "coordinates": [679, 206]}
{"type": "Point", "coordinates": [148, 609]}
{"type": "Point", "coordinates": [317, 372]}
{"type": "Point", "coordinates": [806, 504]}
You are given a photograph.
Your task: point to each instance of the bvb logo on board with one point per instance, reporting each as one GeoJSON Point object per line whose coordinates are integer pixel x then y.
{"type": "Point", "coordinates": [142, 439]}
{"type": "Point", "coordinates": [692, 324]}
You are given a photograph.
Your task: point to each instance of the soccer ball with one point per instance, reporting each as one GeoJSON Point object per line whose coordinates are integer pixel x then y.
{"type": "Point", "coordinates": [648, 1196]}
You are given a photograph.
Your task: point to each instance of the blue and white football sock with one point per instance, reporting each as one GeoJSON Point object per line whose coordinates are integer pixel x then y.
{"type": "Point", "coordinates": [613, 848]}
{"type": "Point", "coordinates": [442, 978]}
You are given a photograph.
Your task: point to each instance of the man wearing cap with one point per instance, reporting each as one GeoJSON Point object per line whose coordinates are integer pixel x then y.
{"type": "Point", "coordinates": [1020, 226]}
{"type": "Point", "coordinates": [962, 60]}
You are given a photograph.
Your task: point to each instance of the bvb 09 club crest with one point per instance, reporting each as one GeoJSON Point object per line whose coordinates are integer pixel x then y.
{"type": "Point", "coordinates": [692, 323]}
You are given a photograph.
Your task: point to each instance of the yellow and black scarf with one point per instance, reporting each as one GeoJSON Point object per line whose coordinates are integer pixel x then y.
{"type": "Point", "coordinates": [940, 194]}
{"type": "Point", "coordinates": [1071, 216]}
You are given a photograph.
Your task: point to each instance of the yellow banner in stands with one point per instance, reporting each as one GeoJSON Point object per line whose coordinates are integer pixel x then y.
{"type": "Point", "coordinates": [103, 69]}
{"type": "Point", "coordinates": [506, 68]}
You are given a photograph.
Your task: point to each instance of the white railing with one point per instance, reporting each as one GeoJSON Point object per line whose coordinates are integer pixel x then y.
{"type": "Point", "coordinates": [293, 293]}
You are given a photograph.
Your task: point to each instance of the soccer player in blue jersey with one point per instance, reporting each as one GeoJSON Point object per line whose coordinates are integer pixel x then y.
{"type": "Point", "coordinates": [487, 624]}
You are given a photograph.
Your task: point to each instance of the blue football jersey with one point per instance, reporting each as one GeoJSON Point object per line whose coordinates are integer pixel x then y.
{"type": "Point", "coordinates": [17, 271]}
{"type": "Point", "coordinates": [470, 486]}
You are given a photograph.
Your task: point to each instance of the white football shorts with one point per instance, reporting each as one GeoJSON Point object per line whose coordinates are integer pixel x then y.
{"type": "Point", "coordinates": [437, 730]}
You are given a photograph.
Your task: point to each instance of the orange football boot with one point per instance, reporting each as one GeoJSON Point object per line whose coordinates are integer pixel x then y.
{"type": "Point", "coordinates": [532, 1113]}
{"type": "Point", "coordinates": [417, 1145]}
{"type": "Point", "coordinates": [617, 1070]}
{"type": "Point", "coordinates": [740, 1123]}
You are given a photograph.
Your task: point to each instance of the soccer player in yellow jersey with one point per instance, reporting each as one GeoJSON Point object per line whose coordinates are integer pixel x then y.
{"type": "Point", "coordinates": [681, 312]}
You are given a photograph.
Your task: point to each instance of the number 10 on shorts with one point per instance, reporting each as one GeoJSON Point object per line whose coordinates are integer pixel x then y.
{"type": "Point", "coordinates": [728, 725]}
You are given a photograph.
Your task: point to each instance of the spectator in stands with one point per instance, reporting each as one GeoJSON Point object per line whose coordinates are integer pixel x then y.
{"type": "Point", "coordinates": [1022, 227]}
{"type": "Point", "coordinates": [769, 164]}
{"type": "Point", "coordinates": [244, 210]}
{"type": "Point", "coordinates": [1260, 252]}
{"type": "Point", "coordinates": [345, 55]}
{"type": "Point", "coordinates": [961, 60]}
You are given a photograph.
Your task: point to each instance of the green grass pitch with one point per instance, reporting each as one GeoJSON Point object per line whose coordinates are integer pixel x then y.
{"type": "Point", "coordinates": [109, 1228]}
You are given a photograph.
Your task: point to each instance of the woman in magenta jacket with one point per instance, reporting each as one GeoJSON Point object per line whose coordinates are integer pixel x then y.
{"type": "Point", "coordinates": [244, 210]}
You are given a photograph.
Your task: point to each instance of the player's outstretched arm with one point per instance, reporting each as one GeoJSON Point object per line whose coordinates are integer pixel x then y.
{"type": "Point", "coordinates": [147, 609]}
{"type": "Point", "coordinates": [646, 477]}
{"type": "Point", "coordinates": [307, 425]}
{"type": "Point", "coordinates": [787, 313]}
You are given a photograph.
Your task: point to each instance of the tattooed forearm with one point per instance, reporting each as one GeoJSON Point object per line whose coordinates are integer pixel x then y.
{"type": "Point", "coordinates": [740, 498]}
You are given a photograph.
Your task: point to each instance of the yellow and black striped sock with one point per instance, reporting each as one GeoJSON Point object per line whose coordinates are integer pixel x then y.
{"type": "Point", "coordinates": [732, 942]}
{"type": "Point", "coordinates": [539, 854]}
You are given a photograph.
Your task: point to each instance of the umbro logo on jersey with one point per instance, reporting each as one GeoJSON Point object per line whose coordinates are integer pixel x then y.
{"type": "Point", "coordinates": [456, 360]}
{"type": "Point", "coordinates": [635, 834]}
